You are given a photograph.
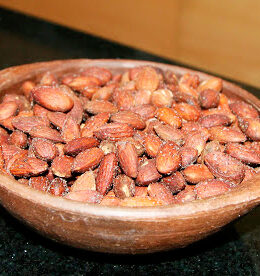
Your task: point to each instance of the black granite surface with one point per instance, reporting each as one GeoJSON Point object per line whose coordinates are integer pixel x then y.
{"type": "Point", "coordinates": [233, 251]}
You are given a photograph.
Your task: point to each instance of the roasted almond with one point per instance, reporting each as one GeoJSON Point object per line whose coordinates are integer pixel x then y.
{"type": "Point", "coordinates": [175, 182]}
{"type": "Point", "coordinates": [244, 110]}
{"type": "Point", "coordinates": [196, 140]}
{"type": "Point", "coordinates": [58, 187]}
{"type": "Point", "coordinates": [62, 166]}
{"type": "Point", "coordinates": [46, 132]}
{"type": "Point", "coordinates": [251, 127]}
{"type": "Point", "coordinates": [212, 83]}
{"type": "Point", "coordinates": [88, 196]}
{"type": "Point", "coordinates": [86, 181]}
{"type": "Point", "coordinates": [168, 159]}
{"type": "Point", "coordinates": [169, 116]}
{"type": "Point", "coordinates": [146, 111]}
{"type": "Point", "coordinates": [188, 156]}
{"type": "Point", "coordinates": [187, 112]}
{"type": "Point", "coordinates": [40, 183]}
{"type": "Point", "coordinates": [186, 195]}
{"type": "Point", "coordinates": [147, 172]}
{"type": "Point", "coordinates": [102, 74]}
{"type": "Point", "coordinates": [44, 149]}
{"type": "Point", "coordinates": [19, 139]}
{"type": "Point", "coordinates": [8, 109]}
{"type": "Point", "coordinates": [141, 191]}
{"type": "Point", "coordinates": [162, 98]}
{"type": "Point", "coordinates": [96, 107]}
{"type": "Point", "coordinates": [70, 130]}
{"type": "Point", "coordinates": [107, 146]}
{"type": "Point", "coordinates": [52, 98]}
{"type": "Point", "coordinates": [87, 159]}
{"type": "Point", "coordinates": [147, 79]}
{"type": "Point", "coordinates": [209, 98]}
{"type": "Point", "coordinates": [25, 124]}
{"type": "Point", "coordinates": [152, 144]}
{"type": "Point", "coordinates": [57, 118]}
{"type": "Point", "coordinates": [130, 118]}
{"type": "Point", "coordinates": [226, 134]}
{"type": "Point", "coordinates": [106, 173]}
{"type": "Point", "coordinates": [214, 120]}
{"type": "Point", "coordinates": [224, 166]}
{"type": "Point", "coordinates": [128, 158]}
{"type": "Point", "coordinates": [161, 193]}
{"type": "Point", "coordinates": [78, 145]}
{"type": "Point", "coordinates": [169, 133]}
{"type": "Point", "coordinates": [197, 173]}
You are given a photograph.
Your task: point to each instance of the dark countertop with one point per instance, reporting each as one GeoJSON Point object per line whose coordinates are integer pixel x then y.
{"type": "Point", "coordinates": [234, 250]}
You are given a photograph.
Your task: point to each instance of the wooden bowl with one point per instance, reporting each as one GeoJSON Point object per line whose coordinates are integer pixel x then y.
{"type": "Point", "coordinates": [121, 229]}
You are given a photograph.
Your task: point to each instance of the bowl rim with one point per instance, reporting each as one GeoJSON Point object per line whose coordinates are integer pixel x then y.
{"type": "Point", "coordinates": [246, 193]}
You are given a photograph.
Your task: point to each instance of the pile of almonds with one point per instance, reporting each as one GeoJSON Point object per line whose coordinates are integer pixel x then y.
{"type": "Point", "coordinates": [141, 138]}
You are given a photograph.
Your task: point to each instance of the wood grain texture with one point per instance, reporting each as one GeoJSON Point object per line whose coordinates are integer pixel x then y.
{"type": "Point", "coordinates": [219, 36]}
{"type": "Point", "coordinates": [122, 229]}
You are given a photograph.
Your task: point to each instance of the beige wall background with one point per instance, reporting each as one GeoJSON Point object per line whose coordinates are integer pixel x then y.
{"type": "Point", "coordinates": [216, 35]}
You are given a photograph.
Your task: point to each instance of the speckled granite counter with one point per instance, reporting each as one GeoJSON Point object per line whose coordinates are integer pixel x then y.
{"type": "Point", "coordinates": [233, 251]}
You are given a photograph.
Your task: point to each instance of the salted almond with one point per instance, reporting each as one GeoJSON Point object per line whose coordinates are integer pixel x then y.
{"type": "Point", "coordinates": [87, 159]}
{"type": "Point", "coordinates": [128, 158]}
{"type": "Point", "coordinates": [96, 107]}
{"type": "Point", "coordinates": [103, 94]}
{"type": "Point", "coordinates": [58, 187]}
{"type": "Point", "coordinates": [140, 202]}
{"type": "Point", "coordinates": [169, 116]}
{"type": "Point", "coordinates": [25, 167]}
{"type": "Point", "coordinates": [124, 186]}
{"type": "Point", "coordinates": [78, 145]}
{"type": "Point", "coordinates": [175, 182]}
{"type": "Point", "coordinates": [223, 103]}
{"type": "Point", "coordinates": [114, 131]}
{"type": "Point", "coordinates": [8, 109]}
{"type": "Point", "coordinates": [169, 133]}
{"type": "Point", "coordinates": [130, 118]}
{"type": "Point", "coordinates": [210, 188]}
{"type": "Point", "coordinates": [44, 149]}
{"type": "Point", "coordinates": [4, 136]}
{"type": "Point", "coordinates": [102, 74]}
{"type": "Point", "coordinates": [21, 101]}
{"type": "Point", "coordinates": [220, 111]}
{"type": "Point", "coordinates": [94, 123]}
{"type": "Point", "coordinates": [224, 166]}
{"type": "Point", "coordinates": [152, 144]}
{"type": "Point", "coordinates": [19, 139]}
{"type": "Point", "coordinates": [162, 98]}
{"type": "Point", "coordinates": [76, 113]}
{"type": "Point", "coordinates": [81, 82]}
{"type": "Point", "coordinates": [196, 140]}
{"type": "Point", "coordinates": [136, 142]}
{"type": "Point", "coordinates": [52, 98]}
{"type": "Point", "coordinates": [62, 166]}
{"type": "Point", "coordinates": [189, 127]}
{"type": "Point", "coordinates": [191, 80]}
{"type": "Point", "coordinates": [186, 195]}
{"type": "Point", "coordinates": [196, 173]}
{"type": "Point", "coordinates": [209, 98]}
{"type": "Point", "coordinates": [161, 193]}
{"type": "Point", "coordinates": [60, 148]}
{"type": "Point", "coordinates": [147, 172]}
{"type": "Point", "coordinates": [214, 120]}
{"type": "Point", "coordinates": [249, 173]}
{"type": "Point", "coordinates": [57, 118]}
{"type": "Point", "coordinates": [244, 110]}
{"type": "Point", "coordinates": [8, 151]}
{"type": "Point", "coordinates": [188, 156]}
{"type": "Point", "coordinates": [212, 83]}
{"type": "Point", "coordinates": [187, 112]}
{"type": "Point", "coordinates": [243, 153]}
{"type": "Point", "coordinates": [209, 147]}
{"type": "Point", "coordinates": [141, 191]}
{"type": "Point", "coordinates": [40, 183]}
{"type": "Point", "coordinates": [147, 79]}
{"type": "Point", "coordinates": [22, 154]}
{"type": "Point", "coordinates": [123, 99]}
{"type": "Point", "coordinates": [86, 181]}
{"type": "Point", "coordinates": [251, 127]}
{"type": "Point", "coordinates": [25, 124]}
{"type": "Point", "coordinates": [142, 97]}
{"type": "Point", "coordinates": [226, 134]}
{"type": "Point", "coordinates": [46, 132]}
{"type": "Point", "coordinates": [168, 159]}
{"type": "Point", "coordinates": [146, 111]}
{"type": "Point", "coordinates": [188, 90]}
{"type": "Point", "coordinates": [70, 130]}
{"type": "Point", "coordinates": [48, 79]}
{"type": "Point", "coordinates": [107, 146]}
{"type": "Point", "coordinates": [106, 173]}
{"type": "Point", "coordinates": [88, 196]}
{"type": "Point", "coordinates": [40, 111]}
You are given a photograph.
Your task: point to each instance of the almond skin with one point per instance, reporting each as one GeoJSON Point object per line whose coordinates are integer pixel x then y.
{"type": "Point", "coordinates": [46, 132]}
{"type": "Point", "coordinates": [57, 118]}
{"type": "Point", "coordinates": [210, 188]}
{"type": "Point", "coordinates": [96, 107]}
{"type": "Point", "coordinates": [19, 139]}
{"type": "Point", "coordinates": [27, 123]}
{"type": "Point", "coordinates": [168, 159]}
{"type": "Point", "coordinates": [147, 79]}
{"type": "Point", "coordinates": [251, 127]}
{"type": "Point", "coordinates": [87, 159]}
{"type": "Point", "coordinates": [242, 153]}
{"type": "Point", "coordinates": [147, 173]}
{"type": "Point", "coordinates": [212, 83]}
{"type": "Point", "coordinates": [52, 98]}
{"type": "Point", "coordinates": [152, 144]}
{"type": "Point", "coordinates": [75, 146]}
{"type": "Point", "coordinates": [187, 112]}
{"type": "Point", "coordinates": [8, 109]}
{"type": "Point", "coordinates": [175, 182]}
{"type": "Point", "coordinates": [196, 140]}
{"type": "Point", "coordinates": [169, 133]}
{"type": "Point", "coordinates": [40, 183]}
{"type": "Point", "coordinates": [128, 158]}
{"type": "Point", "coordinates": [114, 131]}
{"type": "Point", "coordinates": [94, 123]}
{"type": "Point", "coordinates": [62, 165]}
{"type": "Point", "coordinates": [161, 193]}
{"type": "Point", "coordinates": [209, 98]}
{"type": "Point", "coordinates": [188, 156]}
{"type": "Point", "coordinates": [224, 166]}
{"type": "Point", "coordinates": [162, 98]}
{"type": "Point", "coordinates": [124, 186]}
{"type": "Point", "coordinates": [197, 173]}
{"type": "Point", "coordinates": [44, 149]}
{"type": "Point", "coordinates": [106, 173]}
{"type": "Point", "coordinates": [146, 111]}
{"type": "Point", "coordinates": [214, 120]}
{"type": "Point", "coordinates": [130, 118]}
{"type": "Point", "coordinates": [70, 130]}
{"type": "Point", "coordinates": [244, 110]}
{"type": "Point", "coordinates": [169, 116]}
{"type": "Point", "coordinates": [225, 135]}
